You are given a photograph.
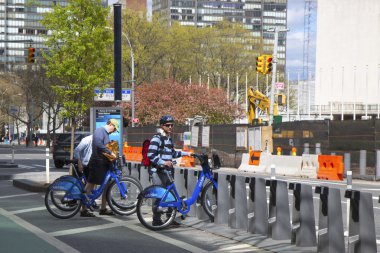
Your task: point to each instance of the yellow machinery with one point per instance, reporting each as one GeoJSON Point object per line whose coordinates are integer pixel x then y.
{"type": "Point", "coordinates": [259, 101]}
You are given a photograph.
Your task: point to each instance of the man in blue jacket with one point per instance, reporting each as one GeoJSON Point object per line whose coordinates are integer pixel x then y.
{"type": "Point", "coordinates": [99, 164]}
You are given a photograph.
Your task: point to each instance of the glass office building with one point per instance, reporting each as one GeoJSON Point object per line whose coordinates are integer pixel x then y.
{"type": "Point", "coordinates": [20, 28]}
{"type": "Point", "coordinates": [258, 16]}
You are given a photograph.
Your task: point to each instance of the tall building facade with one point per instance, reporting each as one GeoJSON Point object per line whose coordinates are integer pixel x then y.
{"type": "Point", "coordinates": [257, 16]}
{"type": "Point", "coordinates": [348, 53]}
{"type": "Point", "coordinates": [20, 28]}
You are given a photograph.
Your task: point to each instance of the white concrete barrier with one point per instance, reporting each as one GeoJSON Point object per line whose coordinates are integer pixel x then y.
{"type": "Point", "coordinates": [285, 165]}
{"type": "Point", "coordinates": [309, 166]}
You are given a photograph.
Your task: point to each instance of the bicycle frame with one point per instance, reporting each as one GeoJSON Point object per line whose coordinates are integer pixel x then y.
{"type": "Point", "coordinates": [205, 173]}
{"type": "Point", "coordinates": [110, 175]}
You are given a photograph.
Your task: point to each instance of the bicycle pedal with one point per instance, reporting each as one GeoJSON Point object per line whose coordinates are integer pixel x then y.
{"type": "Point", "coordinates": [183, 217]}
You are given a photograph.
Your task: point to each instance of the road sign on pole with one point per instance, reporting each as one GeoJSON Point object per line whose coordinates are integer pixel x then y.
{"type": "Point", "coordinates": [108, 94]}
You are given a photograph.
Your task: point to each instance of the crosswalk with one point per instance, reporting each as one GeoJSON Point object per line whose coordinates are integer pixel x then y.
{"type": "Point", "coordinates": [33, 166]}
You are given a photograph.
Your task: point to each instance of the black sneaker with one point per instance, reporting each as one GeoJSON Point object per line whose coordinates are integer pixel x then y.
{"type": "Point", "coordinates": [86, 213]}
{"type": "Point", "coordinates": [175, 223]}
{"type": "Point", "coordinates": [157, 223]}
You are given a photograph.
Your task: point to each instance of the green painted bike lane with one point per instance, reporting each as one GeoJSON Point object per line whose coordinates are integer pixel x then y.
{"type": "Point", "coordinates": [17, 235]}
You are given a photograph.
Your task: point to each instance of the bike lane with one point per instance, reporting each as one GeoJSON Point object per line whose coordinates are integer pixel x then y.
{"type": "Point", "coordinates": [18, 236]}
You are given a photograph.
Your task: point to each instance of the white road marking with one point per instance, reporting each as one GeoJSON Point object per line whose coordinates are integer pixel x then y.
{"type": "Point", "coordinates": [39, 165]}
{"type": "Point", "coordinates": [25, 166]}
{"type": "Point", "coordinates": [86, 229]}
{"type": "Point", "coordinates": [18, 195]}
{"type": "Point", "coordinates": [38, 232]}
{"type": "Point", "coordinates": [133, 226]}
{"type": "Point", "coordinates": [29, 210]}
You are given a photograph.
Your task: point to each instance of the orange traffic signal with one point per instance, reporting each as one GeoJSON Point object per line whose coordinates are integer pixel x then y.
{"type": "Point", "coordinates": [31, 54]}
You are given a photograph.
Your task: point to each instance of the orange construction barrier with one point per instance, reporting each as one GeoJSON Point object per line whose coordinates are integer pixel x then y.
{"type": "Point", "coordinates": [187, 161]}
{"type": "Point", "coordinates": [133, 154]}
{"type": "Point", "coordinates": [330, 167]}
{"type": "Point", "coordinates": [254, 157]}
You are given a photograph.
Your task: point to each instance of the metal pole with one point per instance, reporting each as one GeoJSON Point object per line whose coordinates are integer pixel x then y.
{"type": "Point", "coordinates": [274, 71]}
{"type": "Point", "coordinates": [298, 96]}
{"type": "Point", "coordinates": [354, 117]}
{"type": "Point", "coordinates": [133, 84]}
{"type": "Point", "coordinates": [308, 95]}
{"type": "Point", "coordinates": [332, 92]}
{"type": "Point", "coordinates": [117, 52]}
{"type": "Point", "coordinates": [287, 98]}
{"type": "Point", "coordinates": [228, 87]}
{"type": "Point", "coordinates": [366, 91]}
{"type": "Point", "coordinates": [190, 80]}
{"type": "Point", "coordinates": [378, 91]}
{"type": "Point", "coordinates": [257, 80]}
{"type": "Point", "coordinates": [13, 152]}
{"type": "Point", "coordinates": [267, 83]}
{"type": "Point", "coordinates": [349, 187]}
{"type": "Point", "coordinates": [342, 117]}
{"type": "Point", "coordinates": [246, 92]}
{"type": "Point", "coordinates": [208, 81]}
{"type": "Point", "coordinates": [47, 166]}
{"type": "Point", "coordinates": [200, 80]}
{"type": "Point", "coordinates": [218, 81]}
{"type": "Point", "coordinates": [320, 93]}
{"type": "Point", "coordinates": [237, 89]}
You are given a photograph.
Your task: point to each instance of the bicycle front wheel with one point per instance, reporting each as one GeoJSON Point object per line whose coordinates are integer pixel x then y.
{"type": "Point", "coordinates": [209, 199]}
{"type": "Point", "coordinates": [62, 199]}
{"type": "Point", "coordinates": [126, 205]}
{"type": "Point", "coordinates": [153, 216]}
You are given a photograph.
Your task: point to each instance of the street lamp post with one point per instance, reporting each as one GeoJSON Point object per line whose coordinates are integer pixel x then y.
{"type": "Point", "coordinates": [132, 76]}
{"type": "Point", "coordinates": [276, 30]}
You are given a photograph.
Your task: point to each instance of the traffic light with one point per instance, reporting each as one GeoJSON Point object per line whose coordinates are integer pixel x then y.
{"type": "Point", "coordinates": [31, 54]}
{"type": "Point", "coordinates": [268, 64]}
{"type": "Point", "coordinates": [260, 64]}
{"type": "Point", "coordinates": [281, 99]}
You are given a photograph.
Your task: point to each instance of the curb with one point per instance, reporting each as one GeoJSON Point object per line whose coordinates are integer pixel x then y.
{"type": "Point", "coordinates": [30, 185]}
{"type": "Point", "coordinates": [8, 165]}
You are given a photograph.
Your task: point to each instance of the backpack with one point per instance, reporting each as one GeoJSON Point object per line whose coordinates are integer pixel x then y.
{"type": "Point", "coordinates": [145, 149]}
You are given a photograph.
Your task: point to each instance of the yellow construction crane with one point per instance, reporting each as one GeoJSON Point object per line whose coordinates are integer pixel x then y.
{"type": "Point", "coordinates": [258, 101]}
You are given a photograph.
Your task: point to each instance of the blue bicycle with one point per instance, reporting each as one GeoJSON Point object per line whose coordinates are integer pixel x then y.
{"type": "Point", "coordinates": [65, 195]}
{"type": "Point", "coordinates": [166, 202]}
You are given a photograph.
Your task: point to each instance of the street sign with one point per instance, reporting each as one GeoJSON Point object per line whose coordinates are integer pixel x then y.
{"type": "Point", "coordinates": [109, 94]}
{"type": "Point", "coordinates": [280, 86]}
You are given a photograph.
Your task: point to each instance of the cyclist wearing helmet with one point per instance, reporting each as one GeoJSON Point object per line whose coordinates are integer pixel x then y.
{"type": "Point", "coordinates": [161, 153]}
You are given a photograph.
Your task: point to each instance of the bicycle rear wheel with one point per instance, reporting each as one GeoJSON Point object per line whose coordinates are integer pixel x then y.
{"type": "Point", "coordinates": [62, 199]}
{"type": "Point", "coordinates": [146, 210]}
{"type": "Point", "coordinates": [127, 205]}
{"type": "Point", "coordinates": [209, 199]}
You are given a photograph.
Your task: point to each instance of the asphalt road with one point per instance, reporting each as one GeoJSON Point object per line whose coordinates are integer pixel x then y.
{"type": "Point", "coordinates": [25, 225]}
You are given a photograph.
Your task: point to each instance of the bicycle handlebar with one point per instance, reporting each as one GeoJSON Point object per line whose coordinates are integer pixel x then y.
{"type": "Point", "coordinates": [73, 161]}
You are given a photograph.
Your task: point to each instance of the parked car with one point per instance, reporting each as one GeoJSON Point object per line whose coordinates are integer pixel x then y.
{"type": "Point", "coordinates": [61, 146]}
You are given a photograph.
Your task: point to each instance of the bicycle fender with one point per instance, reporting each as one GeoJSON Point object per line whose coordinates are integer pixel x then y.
{"type": "Point", "coordinates": [156, 192]}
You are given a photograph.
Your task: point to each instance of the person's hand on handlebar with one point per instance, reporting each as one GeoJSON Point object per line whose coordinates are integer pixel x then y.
{"type": "Point", "coordinates": [168, 164]}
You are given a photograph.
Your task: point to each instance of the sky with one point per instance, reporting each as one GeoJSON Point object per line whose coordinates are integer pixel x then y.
{"type": "Point", "coordinates": [294, 54]}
